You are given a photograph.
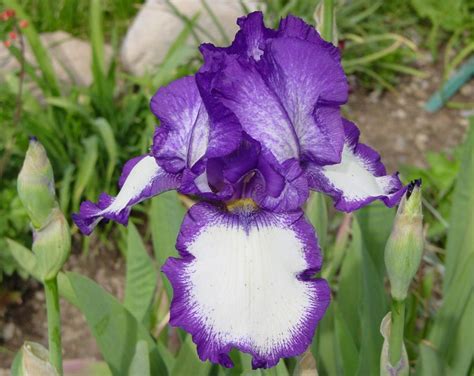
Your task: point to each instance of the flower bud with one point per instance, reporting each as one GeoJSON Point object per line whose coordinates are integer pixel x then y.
{"type": "Point", "coordinates": [405, 245]}
{"type": "Point", "coordinates": [36, 185]}
{"type": "Point", "coordinates": [35, 360]}
{"type": "Point", "coordinates": [52, 245]}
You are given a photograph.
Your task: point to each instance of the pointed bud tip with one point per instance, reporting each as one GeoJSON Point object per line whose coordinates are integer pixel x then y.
{"type": "Point", "coordinates": [413, 185]}
{"type": "Point", "coordinates": [35, 184]}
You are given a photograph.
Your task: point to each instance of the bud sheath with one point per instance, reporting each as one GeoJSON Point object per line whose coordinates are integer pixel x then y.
{"type": "Point", "coordinates": [36, 185]}
{"type": "Point", "coordinates": [405, 245]}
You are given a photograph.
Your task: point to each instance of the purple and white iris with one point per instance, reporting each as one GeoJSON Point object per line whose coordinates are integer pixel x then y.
{"type": "Point", "coordinates": [249, 135]}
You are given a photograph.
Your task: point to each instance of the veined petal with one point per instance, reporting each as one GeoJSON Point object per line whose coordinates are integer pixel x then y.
{"type": "Point", "coordinates": [289, 101]}
{"type": "Point", "coordinates": [292, 26]}
{"type": "Point", "coordinates": [311, 86]}
{"type": "Point", "coordinates": [188, 131]}
{"type": "Point", "coordinates": [358, 179]}
{"type": "Point", "coordinates": [244, 281]}
{"type": "Point", "coordinates": [287, 94]}
{"type": "Point", "coordinates": [242, 89]}
{"type": "Point", "coordinates": [141, 178]}
{"type": "Point", "coordinates": [249, 41]}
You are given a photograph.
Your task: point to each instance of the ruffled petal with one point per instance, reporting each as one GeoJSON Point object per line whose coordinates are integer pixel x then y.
{"type": "Point", "coordinates": [311, 86]}
{"type": "Point", "coordinates": [141, 178]}
{"type": "Point", "coordinates": [288, 101]}
{"type": "Point", "coordinates": [295, 27]}
{"type": "Point", "coordinates": [358, 179]}
{"type": "Point", "coordinates": [249, 41]}
{"type": "Point", "coordinates": [244, 281]}
{"type": "Point", "coordinates": [242, 89]}
{"type": "Point", "coordinates": [189, 131]}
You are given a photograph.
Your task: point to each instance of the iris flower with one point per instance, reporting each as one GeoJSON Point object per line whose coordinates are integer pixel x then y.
{"type": "Point", "coordinates": [248, 137]}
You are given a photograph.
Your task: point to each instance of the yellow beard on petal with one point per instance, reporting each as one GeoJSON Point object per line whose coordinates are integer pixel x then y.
{"type": "Point", "coordinates": [243, 205]}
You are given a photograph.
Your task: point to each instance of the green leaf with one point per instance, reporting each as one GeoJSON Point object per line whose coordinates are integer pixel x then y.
{"type": "Point", "coordinates": [349, 295]}
{"type": "Point", "coordinates": [324, 347]}
{"type": "Point", "coordinates": [166, 216]}
{"type": "Point", "coordinates": [462, 350]}
{"type": "Point", "coordinates": [103, 87]}
{"type": "Point", "coordinates": [141, 361]}
{"type": "Point", "coordinates": [141, 276]}
{"type": "Point", "coordinates": [87, 168]}
{"type": "Point", "coordinates": [451, 339]}
{"type": "Point", "coordinates": [317, 213]}
{"type": "Point", "coordinates": [460, 244]}
{"type": "Point", "coordinates": [115, 329]}
{"type": "Point", "coordinates": [107, 134]}
{"type": "Point", "coordinates": [345, 344]}
{"type": "Point", "coordinates": [65, 189]}
{"type": "Point", "coordinates": [23, 256]}
{"type": "Point", "coordinates": [373, 307]}
{"type": "Point", "coordinates": [375, 223]}
{"type": "Point", "coordinates": [188, 363]}
{"type": "Point", "coordinates": [448, 342]}
{"type": "Point", "coordinates": [16, 368]}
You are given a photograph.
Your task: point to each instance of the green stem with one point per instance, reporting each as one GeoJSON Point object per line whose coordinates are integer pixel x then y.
{"type": "Point", "coordinates": [396, 331]}
{"type": "Point", "coordinates": [328, 20]}
{"type": "Point", "coordinates": [54, 324]}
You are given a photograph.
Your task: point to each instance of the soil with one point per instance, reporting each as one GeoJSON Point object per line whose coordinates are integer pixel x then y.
{"type": "Point", "coordinates": [27, 321]}
{"type": "Point", "coordinates": [395, 124]}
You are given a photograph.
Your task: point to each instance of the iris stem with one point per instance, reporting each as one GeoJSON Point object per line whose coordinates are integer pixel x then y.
{"type": "Point", "coordinates": [54, 324]}
{"type": "Point", "coordinates": [396, 331]}
{"type": "Point", "coordinates": [328, 19]}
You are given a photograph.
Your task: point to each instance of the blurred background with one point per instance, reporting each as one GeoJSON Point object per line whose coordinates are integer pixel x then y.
{"type": "Point", "coordinates": [79, 74]}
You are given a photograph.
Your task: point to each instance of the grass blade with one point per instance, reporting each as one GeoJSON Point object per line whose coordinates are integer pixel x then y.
{"type": "Point", "coordinates": [108, 137]}
{"type": "Point", "coordinates": [86, 169]}
{"type": "Point", "coordinates": [460, 243]}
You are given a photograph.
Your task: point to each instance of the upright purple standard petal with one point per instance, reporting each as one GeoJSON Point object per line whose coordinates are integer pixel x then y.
{"type": "Point", "coordinates": [358, 179]}
{"type": "Point", "coordinates": [286, 96]}
{"type": "Point", "coordinates": [141, 178]}
{"type": "Point", "coordinates": [188, 132]}
{"type": "Point", "coordinates": [244, 281]}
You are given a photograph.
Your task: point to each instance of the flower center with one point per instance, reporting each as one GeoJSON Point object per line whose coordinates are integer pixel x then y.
{"type": "Point", "coordinates": [243, 205]}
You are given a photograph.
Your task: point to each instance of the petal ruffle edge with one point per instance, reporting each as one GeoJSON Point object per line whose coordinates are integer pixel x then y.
{"type": "Point", "coordinates": [245, 281]}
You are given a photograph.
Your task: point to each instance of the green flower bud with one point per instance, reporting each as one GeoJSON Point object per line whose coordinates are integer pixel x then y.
{"type": "Point", "coordinates": [52, 245]}
{"type": "Point", "coordinates": [35, 360]}
{"type": "Point", "coordinates": [36, 184]}
{"type": "Point", "coordinates": [405, 245]}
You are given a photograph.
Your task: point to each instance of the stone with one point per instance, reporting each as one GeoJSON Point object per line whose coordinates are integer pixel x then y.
{"type": "Point", "coordinates": [71, 58]}
{"type": "Point", "coordinates": [157, 26]}
{"type": "Point", "coordinates": [8, 331]}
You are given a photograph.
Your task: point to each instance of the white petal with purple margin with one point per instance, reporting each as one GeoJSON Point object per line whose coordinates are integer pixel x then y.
{"type": "Point", "coordinates": [141, 178]}
{"type": "Point", "coordinates": [245, 281]}
{"type": "Point", "coordinates": [358, 179]}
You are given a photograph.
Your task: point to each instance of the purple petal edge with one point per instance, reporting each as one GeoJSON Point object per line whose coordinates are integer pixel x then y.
{"type": "Point", "coordinates": [203, 215]}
